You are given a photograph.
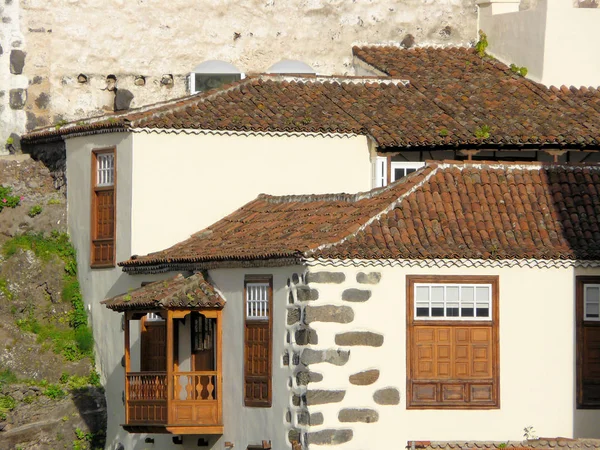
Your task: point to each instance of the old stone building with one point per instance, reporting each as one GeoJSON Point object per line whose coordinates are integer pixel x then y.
{"type": "Point", "coordinates": [64, 60]}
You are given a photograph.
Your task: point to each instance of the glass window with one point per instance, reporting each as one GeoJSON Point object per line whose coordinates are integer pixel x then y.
{"type": "Point", "coordinates": [453, 301]}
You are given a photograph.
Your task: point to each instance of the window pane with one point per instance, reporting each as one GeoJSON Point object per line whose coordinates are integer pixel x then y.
{"type": "Point", "coordinates": [592, 294]}
{"type": "Point", "coordinates": [437, 301]}
{"type": "Point", "coordinates": [422, 312]}
{"type": "Point", "coordinates": [468, 294]}
{"type": "Point", "coordinates": [466, 312]}
{"type": "Point", "coordinates": [592, 310]}
{"type": "Point", "coordinates": [398, 173]}
{"type": "Point", "coordinates": [452, 301]}
{"type": "Point", "coordinates": [483, 312]}
{"type": "Point", "coordinates": [483, 295]}
{"type": "Point", "coordinates": [422, 294]}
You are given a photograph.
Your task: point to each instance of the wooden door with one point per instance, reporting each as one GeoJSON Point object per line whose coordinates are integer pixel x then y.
{"type": "Point", "coordinates": [154, 346]}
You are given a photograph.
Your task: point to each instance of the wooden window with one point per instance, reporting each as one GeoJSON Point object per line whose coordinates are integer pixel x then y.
{"type": "Point", "coordinates": [103, 208]}
{"type": "Point", "coordinates": [258, 342]}
{"type": "Point", "coordinates": [452, 342]}
{"type": "Point", "coordinates": [588, 342]}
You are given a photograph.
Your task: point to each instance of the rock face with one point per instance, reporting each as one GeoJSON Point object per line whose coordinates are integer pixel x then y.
{"type": "Point", "coordinates": [46, 381]}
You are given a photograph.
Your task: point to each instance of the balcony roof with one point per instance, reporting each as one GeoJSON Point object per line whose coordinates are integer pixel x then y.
{"type": "Point", "coordinates": [193, 292]}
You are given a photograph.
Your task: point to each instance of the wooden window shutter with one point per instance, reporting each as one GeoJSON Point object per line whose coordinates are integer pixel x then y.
{"type": "Point", "coordinates": [103, 226]}
{"type": "Point", "coordinates": [258, 342]}
{"type": "Point", "coordinates": [452, 363]}
{"type": "Point", "coordinates": [153, 345]}
{"type": "Point", "coordinates": [588, 350]}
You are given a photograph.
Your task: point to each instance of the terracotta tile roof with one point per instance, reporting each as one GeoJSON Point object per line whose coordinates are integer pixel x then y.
{"type": "Point", "coordinates": [450, 210]}
{"type": "Point", "coordinates": [179, 292]}
{"type": "Point", "coordinates": [541, 443]}
{"type": "Point", "coordinates": [453, 95]}
{"type": "Point", "coordinates": [479, 92]}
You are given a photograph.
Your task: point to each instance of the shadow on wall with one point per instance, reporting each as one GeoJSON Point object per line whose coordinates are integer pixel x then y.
{"type": "Point", "coordinates": [123, 99]}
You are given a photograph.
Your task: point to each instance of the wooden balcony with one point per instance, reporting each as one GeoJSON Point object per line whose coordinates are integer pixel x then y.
{"type": "Point", "coordinates": [174, 401]}
{"type": "Point", "coordinates": [191, 400]}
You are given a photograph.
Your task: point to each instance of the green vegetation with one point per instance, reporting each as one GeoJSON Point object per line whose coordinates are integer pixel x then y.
{"type": "Point", "coordinates": [4, 289]}
{"type": "Point", "coordinates": [7, 377]}
{"type": "Point", "coordinates": [7, 404]}
{"type": "Point", "coordinates": [54, 201]}
{"type": "Point", "coordinates": [54, 392]}
{"type": "Point", "coordinates": [482, 44]}
{"type": "Point", "coordinates": [444, 132]}
{"type": "Point", "coordinates": [83, 440]}
{"type": "Point", "coordinates": [34, 211]}
{"type": "Point", "coordinates": [75, 342]}
{"type": "Point", "coordinates": [61, 123]}
{"type": "Point", "coordinates": [519, 70]}
{"type": "Point", "coordinates": [6, 199]}
{"type": "Point", "coordinates": [483, 132]}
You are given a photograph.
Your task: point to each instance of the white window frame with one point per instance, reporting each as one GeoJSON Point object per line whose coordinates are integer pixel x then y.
{"type": "Point", "coordinates": [404, 165]}
{"type": "Point", "coordinates": [430, 318]}
{"type": "Point", "coordinates": [380, 172]}
{"type": "Point", "coordinates": [261, 309]}
{"type": "Point", "coordinates": [105, 169]}
{"type": "Point", "coordinates": [380, 176]}
{"type": "Point", "coordinates": [585, 303]}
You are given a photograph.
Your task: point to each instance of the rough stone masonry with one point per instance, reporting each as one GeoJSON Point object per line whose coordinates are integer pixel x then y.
{"type": "Point", "coordinates": [63, 60]}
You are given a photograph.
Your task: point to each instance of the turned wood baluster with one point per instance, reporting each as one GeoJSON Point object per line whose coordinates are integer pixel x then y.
{"type": "Point", "coordinates": [176, 386]}
{"type": "Point", "coordinates": [189, 388]}
{"type": "Point", "coordinates": [198, 387]}
{"type": "Point", "coordinates": [210, 387]}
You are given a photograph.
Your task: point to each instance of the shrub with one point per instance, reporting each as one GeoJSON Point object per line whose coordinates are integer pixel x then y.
{"type": "Point", "coordinates": [7, 377]}
{"type": "Point", "coordinates": [6, 199]}
{"type": "Point", "coordinates": [7, 404]}
{"type": "Point", "coordinates": [54, 392]}
{"type": "Point", "coordinates": [34, 211]}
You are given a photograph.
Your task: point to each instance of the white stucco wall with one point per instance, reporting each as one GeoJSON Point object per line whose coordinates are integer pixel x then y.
{"type": "Point", "coordinates": [183, 183]}
{"type": "Point", "coordinates": [99, 284]}
{"type": "Point", "coordinates": [557, 42]}
{"type": "Point", "coordinates": [243, 425]}
{"type": "Point", "coordinates": [537, 361]}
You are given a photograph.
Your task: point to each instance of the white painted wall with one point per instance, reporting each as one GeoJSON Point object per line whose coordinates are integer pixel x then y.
{"type": "Point", "coordinates": [250, 426]}
{"type": "Point", "coordinates": [557, 42]}
{"type": "Point", "coordinates": [183, 183]}
{"type": "Point", "coordinates": [537, 361]}
{"type": "Point", "coordinates": [99, 284]}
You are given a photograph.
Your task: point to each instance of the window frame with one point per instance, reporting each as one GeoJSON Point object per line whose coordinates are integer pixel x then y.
{"type": "Point", "coordinates": [493, 323]}
{"type": "Point", "coordinates": [249, 280]}
{"type": "Point", "coordinates": [95, 189]}
{"type": "Point", "coordinates": [474, 318]}
{"type": "Point", "coordinates": [582, 323]}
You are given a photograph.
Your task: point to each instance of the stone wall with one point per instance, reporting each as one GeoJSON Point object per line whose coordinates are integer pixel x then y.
{"type": "Point", "coordinates": [323, 340]}
{"type": "Point", "coordinates": [77, 58]}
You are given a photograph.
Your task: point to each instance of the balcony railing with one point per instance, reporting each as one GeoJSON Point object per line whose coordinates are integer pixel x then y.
{"type": "Point", "coordinates": [192, 399]}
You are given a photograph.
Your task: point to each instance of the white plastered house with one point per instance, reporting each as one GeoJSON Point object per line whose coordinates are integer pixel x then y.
{"type": "Point", "coordinates": [143, 180]}
{"type": "Point", "coordinates": [458, 304]}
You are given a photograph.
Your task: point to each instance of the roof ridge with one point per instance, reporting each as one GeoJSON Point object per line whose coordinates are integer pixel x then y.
{"type": "Point", "coordinates": [434, 168]}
